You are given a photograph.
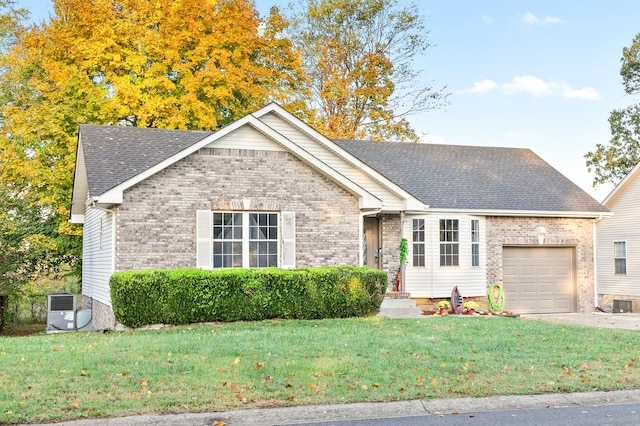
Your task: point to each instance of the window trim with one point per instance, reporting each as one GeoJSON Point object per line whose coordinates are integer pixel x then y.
{"type": "Point", "coordinates": [418, 260]}
{"type": "Point", "coordinates": [475, 243]}
{"type": "Point", "coordinates": [245, 239]}
{"type": "Point", "coordinates": [453, 244]}
{"type": "Point", "coordinates": [623, 258]}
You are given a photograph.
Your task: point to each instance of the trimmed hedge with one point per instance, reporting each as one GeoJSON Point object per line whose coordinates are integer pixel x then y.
{"type": "Point", "coordinates": [184, 296]}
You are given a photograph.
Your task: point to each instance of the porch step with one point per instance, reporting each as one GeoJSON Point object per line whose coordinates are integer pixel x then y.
{"type": "Point", "coordinates": [399, 308]}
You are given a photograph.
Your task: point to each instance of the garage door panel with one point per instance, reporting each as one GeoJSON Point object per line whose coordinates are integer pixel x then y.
{"type": "Point", "coordinates": [539, 279]}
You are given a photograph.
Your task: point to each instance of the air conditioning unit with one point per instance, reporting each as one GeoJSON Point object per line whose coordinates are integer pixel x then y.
{"type": "Point", "coordinates": [61, 312]}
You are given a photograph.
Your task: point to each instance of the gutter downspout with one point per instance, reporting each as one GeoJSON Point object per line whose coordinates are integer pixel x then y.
{"type": "Point", "coordinates": [595, 263]}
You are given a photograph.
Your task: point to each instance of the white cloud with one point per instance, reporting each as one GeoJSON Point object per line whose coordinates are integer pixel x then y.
{"type": "Point", "coordinates": [534, 86]}
{"type": "Point", "coordinates": [483, 86]}
{"type": "Point", "coordinates": [530, 18]}
{"type": "Point", "coordinates": [486, 19]}
{"type": "Point", "coordinates": [529, 84]}
{"type": "Point", "coordinates": [585, 93]}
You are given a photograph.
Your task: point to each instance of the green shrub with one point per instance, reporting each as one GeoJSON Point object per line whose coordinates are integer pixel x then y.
{"type": "Point", "coordinates": [185, 296]}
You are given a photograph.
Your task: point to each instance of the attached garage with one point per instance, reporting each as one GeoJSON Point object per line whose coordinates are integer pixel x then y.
{"type": "Point", "coordinates": [539, 279]}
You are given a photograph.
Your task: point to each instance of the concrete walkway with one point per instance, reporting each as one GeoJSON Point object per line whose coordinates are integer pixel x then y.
{"type": "Point", "coordinates": [595, 319]}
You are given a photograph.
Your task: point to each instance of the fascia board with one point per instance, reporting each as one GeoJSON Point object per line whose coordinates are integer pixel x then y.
{"type": "Point", "coordinates": [77, 218]}
{"type": "Point", "coordinates": [80, 183]}
{"type": "Point", "coordinates": [328, 144]}
{"type": "Point", "coordinates": [516, 213]}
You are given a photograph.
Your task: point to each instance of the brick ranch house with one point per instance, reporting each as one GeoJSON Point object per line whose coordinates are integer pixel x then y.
{"type": "Point", "coordinates": [268, 190]}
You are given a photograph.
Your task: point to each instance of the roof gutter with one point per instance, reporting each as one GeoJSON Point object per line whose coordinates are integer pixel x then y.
{"type": "Point", "coordinates": [518, 213]}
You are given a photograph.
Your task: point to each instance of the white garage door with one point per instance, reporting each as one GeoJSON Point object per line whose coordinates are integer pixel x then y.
{"type": "Point", "coordinates": [539, 279]}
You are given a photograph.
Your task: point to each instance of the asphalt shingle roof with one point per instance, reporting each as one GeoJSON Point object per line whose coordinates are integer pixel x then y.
{"type": "Point", "coordinates": [442, 176]}
{"type": "Point", "coordinates": [472, 177]}
{"type": "Point", "coordinates": [115, 154]}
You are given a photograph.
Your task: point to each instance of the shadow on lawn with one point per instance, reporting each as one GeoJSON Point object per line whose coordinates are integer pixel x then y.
{"type": "Point", "coordinates": [22, 329]}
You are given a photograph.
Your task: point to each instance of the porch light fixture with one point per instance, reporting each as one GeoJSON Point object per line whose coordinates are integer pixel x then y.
{"type": "Point", "coordinates": [541, 233]}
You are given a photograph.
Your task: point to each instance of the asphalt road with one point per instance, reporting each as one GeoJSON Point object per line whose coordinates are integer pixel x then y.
{"type": "Point", "coordinates": [614, 415]}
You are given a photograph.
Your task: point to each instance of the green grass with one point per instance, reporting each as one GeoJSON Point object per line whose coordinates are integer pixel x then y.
{"type": "Point", "coordinates": [278, 363]}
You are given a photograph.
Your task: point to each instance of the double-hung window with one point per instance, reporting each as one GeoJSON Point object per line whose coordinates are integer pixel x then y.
{"type": "Point", "coordinates": [418, 242]}
{"type": "Point", "coordinates": [475, 242]}
{"type": "Point", "coordinates": [449, 242]}
{"type": "Point", "coordinates": [245, 239]}
{"type": "Point", "coordinates": [620, 257]}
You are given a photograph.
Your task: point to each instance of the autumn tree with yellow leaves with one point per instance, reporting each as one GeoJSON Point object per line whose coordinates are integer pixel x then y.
{"type": "Point", "coordinates": [361, 56]}
{"type": "Point", "coordinates": [184, 64]}
{"type": "Point", "coordinates": [346, 66]}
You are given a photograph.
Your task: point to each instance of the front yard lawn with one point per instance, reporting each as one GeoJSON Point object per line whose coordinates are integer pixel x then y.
{"type": "Point", "coordinates": [218, 367]}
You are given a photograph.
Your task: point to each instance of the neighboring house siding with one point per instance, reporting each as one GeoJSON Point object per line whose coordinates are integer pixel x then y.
{"type": "Point", "coordinates": [435, 281]}
{"type": "Point", "coordinates": [390, 200]}
{"type": "Point", "coordinates": [97, 265]}
{"type": "Point", "coordinates": [623, 226]}
{"type": "Point", "coordinates": [560, 232]}
{"type": "Point", "coordinates": [156, 225]}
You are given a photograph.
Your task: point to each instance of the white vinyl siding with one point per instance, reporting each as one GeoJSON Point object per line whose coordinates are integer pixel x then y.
{"type": "Point", "coordinates": [98, 254]}
{"type": "Point", "coordinates": [247, 137]}
{"type": "Point", "coordinates": [390, 200]}
{"type": "Point", "coordinates": [433, 280]}
{"type": "Point", "coordinates": [624, 225]}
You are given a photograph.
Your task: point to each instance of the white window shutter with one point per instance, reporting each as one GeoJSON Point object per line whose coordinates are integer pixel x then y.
{"type": "Point", "coordinates": [288, 240]}
{"type": "Point", "coordinates": [204, 239]}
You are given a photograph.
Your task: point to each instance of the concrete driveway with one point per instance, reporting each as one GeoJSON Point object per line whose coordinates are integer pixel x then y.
{"type": "Point", "coordinates": [594, 319]}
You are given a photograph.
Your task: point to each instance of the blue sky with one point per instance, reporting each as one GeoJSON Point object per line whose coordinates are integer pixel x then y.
{"type": "Point", "coordinates": [536, 74]}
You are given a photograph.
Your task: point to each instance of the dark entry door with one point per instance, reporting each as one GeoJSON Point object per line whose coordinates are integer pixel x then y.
{"type": "Point", "coordinates": [373, 243]}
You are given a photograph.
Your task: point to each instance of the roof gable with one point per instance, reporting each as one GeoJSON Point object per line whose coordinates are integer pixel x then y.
{"type": "Point", "coordinates": [474, 178]}
{"type": "Point", "coordinates": [621, 187]}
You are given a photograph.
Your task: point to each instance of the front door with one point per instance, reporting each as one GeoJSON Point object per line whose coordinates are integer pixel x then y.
{"type": "Point", "coordinates": [372, 243]}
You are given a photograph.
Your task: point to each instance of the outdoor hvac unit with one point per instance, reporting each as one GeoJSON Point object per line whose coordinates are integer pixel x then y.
{"type": "Point", "coordinates": [622, 306]}
{"type": "Point", "coordinates": [61, 312]}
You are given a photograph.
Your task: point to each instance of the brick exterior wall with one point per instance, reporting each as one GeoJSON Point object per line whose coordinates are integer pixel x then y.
{"type": "Point", "coordinates": [560, 232]}
{"type": "Point", "coordinates": [156, 223]}
{"type": "Point", "coordinates": [102, 317]}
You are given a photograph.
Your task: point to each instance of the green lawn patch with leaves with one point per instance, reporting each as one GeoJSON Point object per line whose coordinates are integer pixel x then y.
{"type": "Point", "coordinates": [227, 366]}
